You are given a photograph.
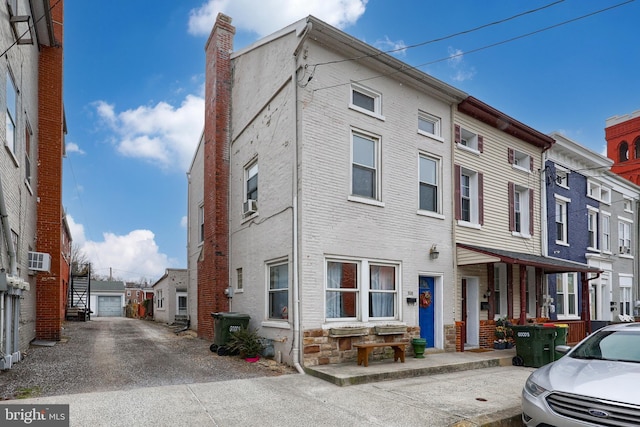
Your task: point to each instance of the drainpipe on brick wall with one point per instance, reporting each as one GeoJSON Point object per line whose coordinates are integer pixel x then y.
{"type": "Point", "coordinates": [6, 307]}
{"type": "Point", "coordinates": [297, 333]}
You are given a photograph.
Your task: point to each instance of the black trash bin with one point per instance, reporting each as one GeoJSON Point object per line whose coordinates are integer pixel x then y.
{"type": "Point", "coordinates": [223, 324]}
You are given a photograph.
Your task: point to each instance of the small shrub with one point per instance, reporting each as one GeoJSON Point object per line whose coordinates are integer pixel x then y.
{"type": "Point", "coordinates": [245, 341]}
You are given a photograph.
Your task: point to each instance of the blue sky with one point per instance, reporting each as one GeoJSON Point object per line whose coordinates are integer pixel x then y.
{"type": "Point", "coordinates": [134, 74]}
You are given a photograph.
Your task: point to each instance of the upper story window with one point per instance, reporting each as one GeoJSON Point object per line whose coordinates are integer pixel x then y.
{"type": "Point", "coordinates": [429, 125]}
{"type": "Point", "coordinates": [598, 192]}
{"type": "Point", "coordinates": [27, 154]}
{"type": "Point", "coordinates": [623, 151]}
{"type": "Point", "coordinates": [561, 220]}
{"type": "Point", "coordinates": [520, 160]}
{"type": "Point", "coordinates": [605, 243]}
{"type": "Point", "coordinates": [365, 165]}
{"type": "Point", "coordinates": [11, 117]}
{"type": "Point", "coordinates": [592, 228]}
{"type": "Point", "coordinates": [250, 205]}
{"type": "Point", "coordinates": [562, 177]}
{"type": "Point", "coordinates": [628, 204]}
{"type": "Point", "coordinates": [366, 101]}
{"type": "Point", "coordinates": [201, 223]}
{"type": "Point", "coordinates": [520, 209]}
{"type": "Point", "coordinates": [429, 183]}
{"type": "Point", "coordinates": [468, 196]}
{"type": "Point", "coordinates": [468, 140]}
{"type": "Point", "coordinates": [239, 280]}
{"type": "Point", "coordinates": [624, 236]}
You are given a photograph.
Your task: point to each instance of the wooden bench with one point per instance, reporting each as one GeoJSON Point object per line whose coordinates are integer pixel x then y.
{"type": "Point", "coordinates": [366, 348]}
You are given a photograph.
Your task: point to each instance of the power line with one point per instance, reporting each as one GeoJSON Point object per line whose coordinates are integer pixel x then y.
{"type": "Point", "coordinates": [501, 21]}
{"type": "Point", "coordinates": [417, 67]}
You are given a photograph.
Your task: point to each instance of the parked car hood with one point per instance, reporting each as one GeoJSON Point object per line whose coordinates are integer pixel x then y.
{"type": "Point", "coordinates": [615, 381]}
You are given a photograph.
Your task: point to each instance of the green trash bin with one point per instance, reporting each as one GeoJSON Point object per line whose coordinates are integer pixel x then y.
{"type": "Point", "coordinates": [534, 345]}
{"type": "Point", "coordinates": [223, 324]}
{"type": "Point", "coordinates": [562, 330]}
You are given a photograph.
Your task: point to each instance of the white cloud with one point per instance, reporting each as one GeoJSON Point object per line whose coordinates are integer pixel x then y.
{"type": "Point", "coordinates": [396, 47]}
{"type": "Point", "coordinates": [461, 72]}
{"type": "Point", "coordinates": [163, 134]}
{"type": "Point", "coordinates": [72, 147]}
{"type": "Point", "coordinates": [184, 222]}
{"type": "Point", "coordinates": [129, 257]}
{"type": "Point", "coordinates": [267, 16]}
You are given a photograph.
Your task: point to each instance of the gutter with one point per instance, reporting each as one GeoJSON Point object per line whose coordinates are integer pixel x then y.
{"type": "Point", "coordinates": [297, 334]}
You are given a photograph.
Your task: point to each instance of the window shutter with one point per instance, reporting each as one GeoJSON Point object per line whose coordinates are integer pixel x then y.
{"type": "Point", "coordinates": [531, 163]}
{"type": "Point", "coordinates": [512, 216]}
{"type": "Point", "coordinates": [480, 143]}
{"type": "Point", "coordinates": [480, 198]}
{"type": "Point", "coordinates": [510, 155]}
{"type": "Point", "coordinates": [457, 134]}
{"type": "Point", "coordinates": [458, 206]}
{"type": "Point", "coordinates": [531, 198]}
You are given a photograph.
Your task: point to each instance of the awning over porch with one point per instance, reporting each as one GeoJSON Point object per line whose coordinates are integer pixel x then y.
{"type": "Point", "coordinates": [470, 254]}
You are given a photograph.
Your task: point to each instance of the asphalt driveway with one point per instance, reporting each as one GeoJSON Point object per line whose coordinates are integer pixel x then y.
{"type": "Point", "coordinates": [109, 353]}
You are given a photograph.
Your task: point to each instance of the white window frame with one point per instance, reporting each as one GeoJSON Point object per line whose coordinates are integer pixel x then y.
{"type": "Point", "coordinates": [472, 196]}
{"type": "Point", "coordinates": [422, 180]}
{"type": "Point", "coordinates": [598, 192]}
{"type": "Point", "coordinates": [11, 114]}
{"type": "Point", "coordinates": [605, 228]}
{"type": "Point", "coordinates": [468, 140]}
{"type": "Point", "coordinates": [592, 228]}
{"type": "Point", "coordinates": [521, 161]}
{"type": "Point", "coordinates": [563, 202]}
{"type": "Point", "coordinates": [628, 204]}
{"type": "Point", "coordinates": [434, 121]}
{"type": "Point", "coordinates": [625, 282]}
{"type": "Point", "coordinates": [375, 167]}
{"type": "Point", "coordinates": [159, 299]}
{"type": "Point", "coordinates": [279, 313]}
{"type": "Point", "coordinates": [562, 177]}
{"type": "Point", "coordinates": [239, 280]}
{"type": "Point", "coordinates": [365, 91]}
{"type": "Point", "coordinates": [563, 299]}
{"type": "Point", "coordinates": [624, 237]}
{"type": "Point", "coordinates": [201, 224]}
{"type": "Point", "coordinates": [251, 171]}
{"type": "Point", "coordinates": [500, 305]}
{"type": "Point", "coordinates": [521, 206]}
{"type": "Point", "coordinates": [186, 308]}
{"type": "Point", "coordinates": [28, 170]}
{"type": "Point", "coordinates": [363, 290]}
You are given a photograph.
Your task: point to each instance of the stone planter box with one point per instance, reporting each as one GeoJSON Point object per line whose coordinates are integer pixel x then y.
{"type": "Point", "coordinates": [390, 329]}
{"type": "Point", "coordinates": [348, 332]}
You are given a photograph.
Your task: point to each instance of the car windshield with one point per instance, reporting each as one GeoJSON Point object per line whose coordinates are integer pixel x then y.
{"type": "Point", "coordinates": [610, 345]}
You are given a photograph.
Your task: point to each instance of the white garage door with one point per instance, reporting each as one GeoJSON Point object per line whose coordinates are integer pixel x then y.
{"type": "Point", "coordinates": [109, 306]}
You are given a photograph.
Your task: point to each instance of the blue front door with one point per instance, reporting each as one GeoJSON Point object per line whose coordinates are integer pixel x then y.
{"type": "Point", "coordinates": [426, 300]}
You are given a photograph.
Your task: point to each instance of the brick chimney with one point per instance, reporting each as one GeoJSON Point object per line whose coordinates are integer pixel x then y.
{"type": "Point", "coordinates": [50, 287]}
{"type": "Point", "coordinates": [213, 265]}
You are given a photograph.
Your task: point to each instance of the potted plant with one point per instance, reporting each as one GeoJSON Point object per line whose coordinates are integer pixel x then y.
{"type": "Point", "coordinates": [247, 343]}
{"type": "Point", "coordinates": [500, 342]}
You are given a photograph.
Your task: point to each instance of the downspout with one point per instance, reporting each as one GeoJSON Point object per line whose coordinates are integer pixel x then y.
{"type": "Point", "coordinates": [297, 333]}
{"type": "Point", "coordinates": [7, 306]}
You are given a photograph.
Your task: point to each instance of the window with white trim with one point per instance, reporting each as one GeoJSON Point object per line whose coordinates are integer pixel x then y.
{"type": "Point", "coordinates": [520, 160]}
{"type": "Point", "coordinates": [625, 295]}
{"type": "Point", "coordinates": [201, 223]}
{"type": "Point", "coordinates": [598, 192]}
{"type": "Point", "coordinates": [28, 134]}
{"type": "Point", "coordinates": [365, 100]}
{"type": "Point", "coordinates": [468, 140]}
{"type": "Point", "coordinates": [500, 290]}
{"type": "Point", "coordinates": [251, 182]}
{"type": "Point", "coordinates": [562, 177]}
{"type": "Point", "coordinates": [561, 221]}
{"type": "Point", "coordinates": [521, 209]}
{"type": "Point", "coordinates": [469, 196]}
{"type": "Point", "coordinates": [361, 290]}
{"type": "Point", "coordinates": [566, 296]}
{"type": "Point", "coordinates": [628, 205]}
{"type": "Point", "coordinates": [429, 183]}
{"type": "Point", "coordinates": [239, 280]}
{"type": "Point", "coordinates": [11, 115]}
{"type": "Point", "coordinates": [278, 299]}
{"type": "Point", "coordinates": [365, 165]}
{"type": "Point", "coordinates": [592, 227]}
{"type": "Point", "coordinates": [159, 299]}
{"type": "Point", "coordinates": [624, 237]}
{"type": "Point", "coordinates": [605, 243]}
{"type": "Point", "coordinates": [428, 124]}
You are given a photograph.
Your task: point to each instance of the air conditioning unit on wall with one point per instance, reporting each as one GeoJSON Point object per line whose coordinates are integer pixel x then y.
{"type": "Point", "coordinates": [39, 261]}
{"type": "Point", "coordinates": [250, 206]}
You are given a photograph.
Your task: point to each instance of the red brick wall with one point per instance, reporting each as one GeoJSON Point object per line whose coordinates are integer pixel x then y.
{"type": "Point", "coordinates": [50, 286]}
{"type": "Point", "coordinates": [213, 266]}
{"type": "Point", "coordinates": [627, 132]}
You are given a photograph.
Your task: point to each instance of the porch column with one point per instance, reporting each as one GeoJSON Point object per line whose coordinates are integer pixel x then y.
{"type": "Point", "coordinates": [539, 292]}
{"type": "Point", "coordinates": [510, 291]}
{"type": "Point", "coordinates": [491, 291]}
{"type": "Point", "coordinates": [523, 295]}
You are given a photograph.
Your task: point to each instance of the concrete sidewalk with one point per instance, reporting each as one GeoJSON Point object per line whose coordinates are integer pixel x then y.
{"type": "Point", "coordinates": [489, 396]}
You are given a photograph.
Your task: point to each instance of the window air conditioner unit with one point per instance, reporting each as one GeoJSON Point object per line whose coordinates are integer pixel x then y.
{"type": "Point", "coordinates": [250, 206]}
{"type": "Point", "coordinates": [625, 250]}
{"type": "Point", "coordinates": [39, 261]}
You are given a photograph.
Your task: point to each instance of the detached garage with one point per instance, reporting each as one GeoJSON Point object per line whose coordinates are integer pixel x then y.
{"type": "Point", "coordinates": [107, 298]}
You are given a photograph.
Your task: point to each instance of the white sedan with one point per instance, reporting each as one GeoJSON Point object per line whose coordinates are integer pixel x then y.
{"type": "Point", "coordinates": [597, 383]}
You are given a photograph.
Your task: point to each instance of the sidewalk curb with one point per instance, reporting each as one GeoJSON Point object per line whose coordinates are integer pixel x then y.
{"type": "Point", "coordinates": [511, 417]}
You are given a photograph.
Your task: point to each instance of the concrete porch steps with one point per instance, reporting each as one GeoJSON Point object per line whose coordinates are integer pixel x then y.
{"type": "Point", "coordinates": [345, 374]}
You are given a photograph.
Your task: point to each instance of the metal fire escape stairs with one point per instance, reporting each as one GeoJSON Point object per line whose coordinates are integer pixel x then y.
{"type": "Point", "coordinates": [78, 307]}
